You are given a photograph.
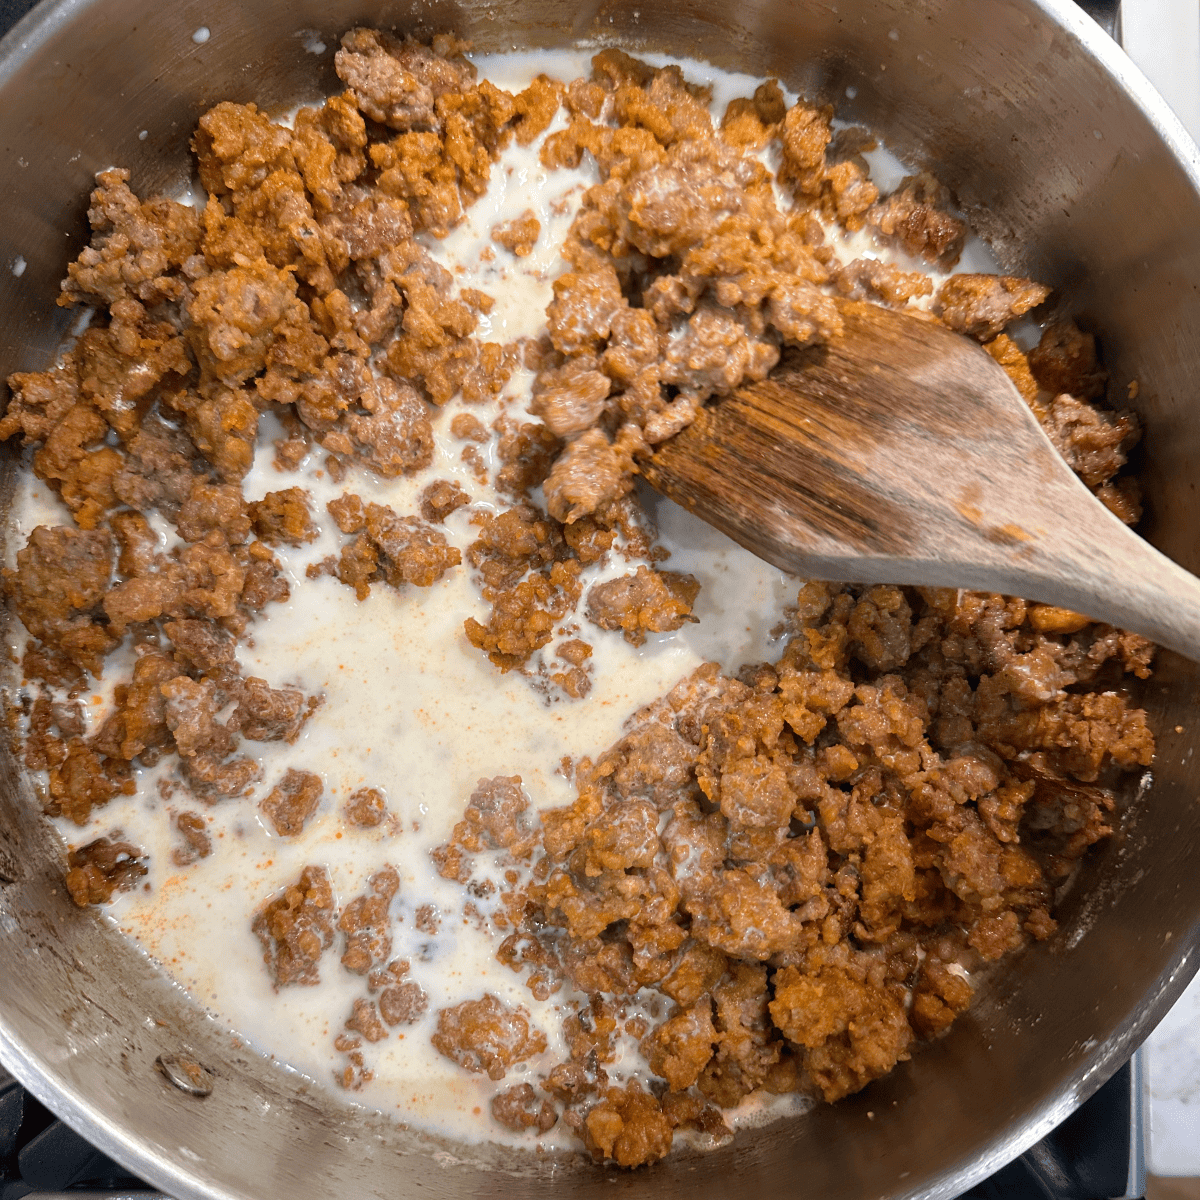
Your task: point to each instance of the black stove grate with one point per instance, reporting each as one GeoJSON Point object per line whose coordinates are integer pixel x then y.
{"type": "Point", "coordinates": [41, 1158]}
{"type": "Point", "coordinates": [1097, 1153]}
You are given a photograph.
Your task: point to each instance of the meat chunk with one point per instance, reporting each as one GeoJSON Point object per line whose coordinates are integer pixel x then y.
{"type": "Point", "coordinates": [189, 710]}
{"type": "Point", "coordinates": [570, 398]}
{"type": "Point", "coordinates": [519, 1109]}
{"type": "Point", "coordinates": [136, 247]}
{"type": "Point", "coordinates": [236, 316]}
{"type": "Point", "coordinates": [366, 808]}
{"type": "Point", "coordinates": [982, 305]}
{"type": "Point", "coordinates": [367, 924]}
{"type": "Point", "coordinates": [679, 1049]}
{"type": "Point", "coordinates": [487, 1036]}
{"type": "Point", "coordinates": [627, 1127]}
{"type": "Point", "coordinates": [284, 518]}
{"type": "Point", "coordinates": [803, 137]}
{"type": "Point", "coordinates": [1094, 443]}
{"type": "Point", "coordinates": [717, 351]}
{"type": "Point", "coordinates": [196, 842]}
{"type": "Point", "coordinates": [395, 82]}
{"type": "Point", "coordinates": [1065, 360]}
{"type": "Point", "coordinates": [86, 780]}
{"type": "Point", "coordinates": [402, 1001]}
{"type": "Point", "coordinates": [536, 107]}
{"type": "Point", "coordinates": [159, 469]}
{"type": "Point", "coordinates": [204, 645]}
{"type": "Point", "coordinates": [496, 816]}
{"type": "Point", "coordinates": [403, 1004]}
{"type": "Point", "coordinates": [881, 282]}
{"type": "Point", "coordinates": [440, 499]}
{"type": "Point", "coordinates": [647, 601]}
{"type": "Point", "coordinates": [1015, 364]}
{"type": "Point", "coordinates": [267, 714]}
{"type": "Point", "coordinates": [61, 577]}
{"type": "Point", "coordinates": [293, 801]}
{"type": "Point", "coordinates": [394, 436]}
{"type": "Point", "coordinates": [102, 867]}
{"type": "Point", "coordinates": [852, 1031]}
{"type": "Point", "coordinates": [580, 315]}
{"type": "Point", "coordinates": [364, 1020]}
{"type": "Point", "coordinates": [392, 549]}
{"type": "Point", "coordinates": [210, 508]}
{"type": "Point", "coordinates": [518, 235]}
{"type": "Point", "coordinates": [296, 928]}
{"type": "Point", "coordinates": [592, 472]}
{"type": "Point", "coordinates": [915, 216]}
{"type": "Point", "coordinates": [523, 617]}
{"type": "Point", "coordinates": [750, 123]}
{"type": "Point", "coordinates": [212, 776]}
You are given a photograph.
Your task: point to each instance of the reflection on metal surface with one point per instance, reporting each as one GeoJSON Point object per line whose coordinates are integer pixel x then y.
{"type": "Point", "coordinates": [1135, 1180]}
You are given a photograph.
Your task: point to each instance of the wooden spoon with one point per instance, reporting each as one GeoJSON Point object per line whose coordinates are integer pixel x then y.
{"type": "Point", "coordinates": [900, 452]}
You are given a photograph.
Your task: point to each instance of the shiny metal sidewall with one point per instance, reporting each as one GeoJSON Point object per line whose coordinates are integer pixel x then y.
{"type": "Point", "coordinates": [1063, 157]}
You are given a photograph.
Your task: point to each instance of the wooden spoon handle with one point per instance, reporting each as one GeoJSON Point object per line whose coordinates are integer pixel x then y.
{"type": "Point", "coordinates": [1106, 571]}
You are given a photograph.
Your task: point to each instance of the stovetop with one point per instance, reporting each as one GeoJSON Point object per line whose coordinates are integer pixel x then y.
{"type": "Point", "coordinates": [41, 1158]}
{"type": "Point", "coordinates": [1098, 1153]}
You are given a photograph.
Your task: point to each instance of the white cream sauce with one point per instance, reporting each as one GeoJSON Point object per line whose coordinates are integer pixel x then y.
{"type": "Point", "coordinates": [412, 708]}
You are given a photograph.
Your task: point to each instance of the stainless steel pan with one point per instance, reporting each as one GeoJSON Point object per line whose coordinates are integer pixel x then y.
{"type": "Point", "coordinates": [1077, 173]}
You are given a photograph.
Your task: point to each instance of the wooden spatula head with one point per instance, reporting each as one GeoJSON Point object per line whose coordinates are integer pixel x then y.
{"type": "Point", "coordinates": [900, 452]}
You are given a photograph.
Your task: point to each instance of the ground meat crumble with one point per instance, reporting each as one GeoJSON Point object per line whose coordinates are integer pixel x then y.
{"type": "Point", "coordinates": [296, 928]}
{"type": "Point", "coordinates": [486, 1035]}
{"type": "Point", "coordinates": [804, 863]}
{"type": "Point", "coordinates": [102, 867]}
{"type": "Point", "coordinates": [386, 549]}
{"type": "Point", "coordinates": [810, 860]}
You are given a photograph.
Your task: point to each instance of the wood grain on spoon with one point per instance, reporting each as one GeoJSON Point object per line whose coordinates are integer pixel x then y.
{"type": "Point", "coordinates": [900, 452]}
